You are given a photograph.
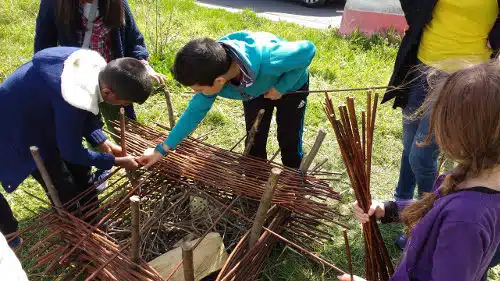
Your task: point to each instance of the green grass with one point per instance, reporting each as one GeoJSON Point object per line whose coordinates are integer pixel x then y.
{"type": "Point", "coordinates": [340, 62]}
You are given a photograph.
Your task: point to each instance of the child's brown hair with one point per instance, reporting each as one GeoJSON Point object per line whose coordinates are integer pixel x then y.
{"type": "Point", "coordinates": [465, 121]}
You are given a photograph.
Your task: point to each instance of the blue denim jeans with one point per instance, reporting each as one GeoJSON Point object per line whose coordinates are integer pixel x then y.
{"type": "Point", "coordinates": [418, 163]}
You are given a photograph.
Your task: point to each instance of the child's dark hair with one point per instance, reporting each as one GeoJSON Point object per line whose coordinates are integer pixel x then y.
{"type": "Point", "coordinates": [200, 61]}
{"type": "Point", "coordinates": [465, 121]}
{"type": "Point", "coordinates": [68, 15]}
{"type": "Point", "coordinates": [128, 78]}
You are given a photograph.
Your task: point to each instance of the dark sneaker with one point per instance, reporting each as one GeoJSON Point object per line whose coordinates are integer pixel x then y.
{"type": "Point", "coordinates": [16, 243]}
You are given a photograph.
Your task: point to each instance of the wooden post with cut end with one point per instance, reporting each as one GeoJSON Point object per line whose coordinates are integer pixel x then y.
{"type": "Point", "coordinates": [308, 159]}
{"type": "Point", "coordinates": [170, 108]}
{"type": "Point", "coordinates": [122, 131]}
{"type": "Point", "coordinates": [123, 143]}
{"type": "Point", "coordinates": [253, 131]}
{"type": "Point", "coordinates": [265, 203]}
{"type": "Point", "coordinates": [188, 262]}
{"type": "Point", "coordinates": [135, 245]}
{"type": "Point", "coordinates": [54, 195]}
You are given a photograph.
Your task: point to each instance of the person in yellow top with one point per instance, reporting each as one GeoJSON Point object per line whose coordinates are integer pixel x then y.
{"type": "Point", "coordinates": [444, 35]}
{"type": "Point", "coordinates": [458, 31]}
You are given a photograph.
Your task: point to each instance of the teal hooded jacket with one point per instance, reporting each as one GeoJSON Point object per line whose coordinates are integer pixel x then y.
{"type": "Point", "coordinates": [268, 60]}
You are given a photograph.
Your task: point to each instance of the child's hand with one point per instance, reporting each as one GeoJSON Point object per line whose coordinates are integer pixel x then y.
{"type": "Point", "coordinates": [158, 77]}
{"type": "Point", "coordinates": [376, 208]}
{"type": "Point", "coordinates": [127, 162]}
{"type": "Point", "coordinates": [108, 147]}
{"type": "Point", "coordinates": [149, 158]}
{"type": "Point", "coordinates": [272, 94]}
{"type": "Point", "coordinates": [347, 277]}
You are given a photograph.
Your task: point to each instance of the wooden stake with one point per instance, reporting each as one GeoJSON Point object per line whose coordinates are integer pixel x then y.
{"type": "Point", "coordinates": [188, 263]}
{"type": "Point", "coordinates": [122, 132]}
{"type": "Point", "coordinates": [264, 205]}
{"type": "Point", "coordinates": [170, 108]}
{"type": "Point", "coordinates": [135, 245]}
{"type": "Point", "coordinates": [123, 143]}
{"type": "Point", "coordinates": [307, 161]}
{"type": "Point", "coordinates": [253, 131]}
{"type": "Point", "coordinates": [54, 195]}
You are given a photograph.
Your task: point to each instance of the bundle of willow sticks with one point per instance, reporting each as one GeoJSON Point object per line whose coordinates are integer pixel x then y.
{"type": "Point", "coordinates": [356, 147]}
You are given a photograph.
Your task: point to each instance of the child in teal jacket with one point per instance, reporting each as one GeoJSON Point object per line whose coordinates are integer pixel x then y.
{"type": "Point", "coordinates": [258, 68]}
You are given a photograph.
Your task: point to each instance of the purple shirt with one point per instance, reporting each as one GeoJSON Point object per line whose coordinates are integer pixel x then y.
{"type": "Point", "coordinates": [455, 240]}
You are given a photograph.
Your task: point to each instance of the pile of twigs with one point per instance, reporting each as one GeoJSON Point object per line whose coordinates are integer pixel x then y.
{"type": "Point", "coordinates": [356, 147]}
{"type": "Point", "coordinates": [170, 212]}
{"type": "Point", "coordinates": [96, 245]}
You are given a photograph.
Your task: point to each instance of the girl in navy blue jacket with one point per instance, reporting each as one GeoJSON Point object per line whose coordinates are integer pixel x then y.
{"type": "Point", "coordinates": [114, 35]}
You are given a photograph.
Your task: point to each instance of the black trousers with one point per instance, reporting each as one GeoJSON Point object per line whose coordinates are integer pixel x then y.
{"type": "Point", "coordinates": [69, 180]}
{"type": "Point", "coordinates": [290, 110]}
{"type": "Point", "coordinates": [8, 223]}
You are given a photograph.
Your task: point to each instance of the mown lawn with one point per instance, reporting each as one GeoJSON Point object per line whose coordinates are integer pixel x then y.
{"type": "Point", "coordinates": [339, 63]}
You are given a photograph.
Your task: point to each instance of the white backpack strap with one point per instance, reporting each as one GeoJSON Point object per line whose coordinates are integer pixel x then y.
{"type": "Point", "coordinates": [90, 24]}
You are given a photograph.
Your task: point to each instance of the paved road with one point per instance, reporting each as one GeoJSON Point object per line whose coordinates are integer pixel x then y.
{"type": "Point", "coordinates": [285, 10]}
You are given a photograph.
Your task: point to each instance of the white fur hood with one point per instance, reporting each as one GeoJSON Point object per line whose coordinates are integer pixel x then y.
{"type": "Point", "coordinates": [80, 80]}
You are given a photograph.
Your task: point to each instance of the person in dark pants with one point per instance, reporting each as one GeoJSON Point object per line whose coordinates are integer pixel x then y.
{"type": "Point", "coordinates": [259, 68]}
{"type": "Point", "coordinates": [290, 111]}
{"type": "Point", "coordinates": [52, 102]}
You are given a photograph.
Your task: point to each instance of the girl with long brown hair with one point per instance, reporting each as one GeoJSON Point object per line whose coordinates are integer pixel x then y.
{"type": "Point", "coordinates": [105, 26]}
{"type": "Point", "coordinates": [112, 33]}
{"type": "Point", "coordinates": [455, 230]}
